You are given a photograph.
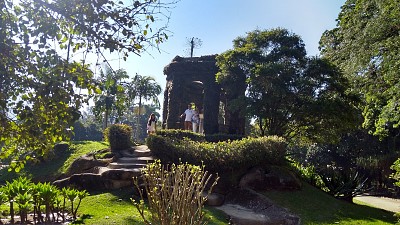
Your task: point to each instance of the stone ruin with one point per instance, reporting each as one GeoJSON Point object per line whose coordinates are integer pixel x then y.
{"type": "Point", "coordinates": [192, 80]}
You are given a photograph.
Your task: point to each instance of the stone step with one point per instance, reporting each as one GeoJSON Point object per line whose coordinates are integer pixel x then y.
{"type": "Point", "coordinates": [137, 151]}
{"type": "Point", "coordinates": [117, 184]}
{"type": "Point", "coordinates": [139, 160]}
{"type": "Point", "coordinates": [118, 165]}
{"type": "Point", "coordinates": [121, 174]}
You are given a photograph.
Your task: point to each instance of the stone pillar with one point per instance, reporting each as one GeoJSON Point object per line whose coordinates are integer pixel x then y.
{"type": "Point", "coordinates": [211, 108]}
{"type": "Point", "coordinates": [173, 120]}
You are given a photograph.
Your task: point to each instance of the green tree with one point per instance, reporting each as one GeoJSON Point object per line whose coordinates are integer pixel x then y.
{"type": "Point", "coordinates": [365, 45]}
{"type": "Point", "coordinates": [112, 97]}
{"type": "Point", "coordinates": [39, 70]}
{"type": "Point", "coordinates": [287, 93]}
{"type": "Point", "coordinates": [144, 88]}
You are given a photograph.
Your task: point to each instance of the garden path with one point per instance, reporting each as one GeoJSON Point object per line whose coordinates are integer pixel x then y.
{"type": "Point", "coordinates": [388, 204]}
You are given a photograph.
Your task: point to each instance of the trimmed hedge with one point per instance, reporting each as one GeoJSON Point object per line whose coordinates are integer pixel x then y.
{"type": "Point", "coordinates": [220, 157]}
{"type": "Point", "coordinates": [119, 136]}
{"type": "Point", "coordinates": [181, 134]}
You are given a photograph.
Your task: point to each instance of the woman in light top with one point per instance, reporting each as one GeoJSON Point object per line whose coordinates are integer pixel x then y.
{"type": "Point", "coordinates": [195, 120]}
{"type": "Point", "coordinates": [151, 124]}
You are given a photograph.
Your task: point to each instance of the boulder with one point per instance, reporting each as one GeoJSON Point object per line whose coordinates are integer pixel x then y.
{"type": "Point", "coordinates": [254, 179]}
{"type": "Point", "coordinates": [85, 164]}
{"type": "Point", "coordinates": [282, 178]}
{"type": "Point", "coordinates": [87, 181]}
{"type": "Point", "coordinates": [275, 177]}
{"type": "Point", "coordinates": [241, 203]}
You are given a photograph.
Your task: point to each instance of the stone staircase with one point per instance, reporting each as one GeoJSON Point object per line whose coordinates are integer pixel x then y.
{"type": "Point", "coordinates": [116, 174]}
{"type": "Point", "coordinates": [122, 171]}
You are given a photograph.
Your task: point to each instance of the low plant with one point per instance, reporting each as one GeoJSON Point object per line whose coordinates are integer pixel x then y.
{"type": "Point", "coordinates": [29, 196]}
{"type": "Point", "coordinates": [175, 193]}
{"type": "Point", "coordinates": [119, 136]}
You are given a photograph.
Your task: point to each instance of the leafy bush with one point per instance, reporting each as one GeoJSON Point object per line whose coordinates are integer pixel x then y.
{"type": "Point", "coordinates": [396, 174]}
{"type": "Point", "coordinates": [174, 193]}
{"type": "Point", "coordinates": [342, 169]}
{"type": "Point", "coordinates": [179, 134]}
{"type": "Point", "coordinates": [231, 158]}
{"type": "Point", "coordinates": [222, 137]}
{"type": "Point", "coordinates": [119, 136]}
{"type": "Point", "coordinates": [30, 196]}
{"type": "Point", "coordinates": [309, 174]}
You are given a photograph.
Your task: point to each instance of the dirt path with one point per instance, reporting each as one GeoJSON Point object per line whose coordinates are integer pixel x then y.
{"type": "Point", "coordinates": [389, 204]}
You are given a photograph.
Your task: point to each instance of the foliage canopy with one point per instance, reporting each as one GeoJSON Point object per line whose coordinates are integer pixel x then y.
{"type": "Point", "coordinates": [288, 93]}
{"type": "Point", "coordinates": [39, 73]}
{"type": "Point", "coordinates": [365, 45]}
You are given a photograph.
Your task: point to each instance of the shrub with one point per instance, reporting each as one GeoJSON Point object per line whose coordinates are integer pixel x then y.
{"type": "Point", "coordinates": [174, 193]}
{"type": "Point", "coordinates": [178, 134]}
{"type": "Point", "coordinates": [222, 137]}
{"type": "Point", "coordinates": [119, 136]}
{"type": "Point", "coordinates": [231, 158]}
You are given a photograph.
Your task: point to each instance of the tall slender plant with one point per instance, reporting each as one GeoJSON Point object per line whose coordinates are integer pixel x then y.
{"type": "Point", "coordinates": [175, 193]}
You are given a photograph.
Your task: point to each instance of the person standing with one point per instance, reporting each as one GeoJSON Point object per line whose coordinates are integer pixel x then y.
{"type": "Point", "coordinates": [195, 120]}
{"type": "Point", "coordinates": [188, 117]}
{"type": "Point", "coordinates": [201, 121]}
{"type": "Point", "coordinates": [152, 124]}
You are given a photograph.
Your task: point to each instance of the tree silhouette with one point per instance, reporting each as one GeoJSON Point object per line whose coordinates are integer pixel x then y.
{"type": "Point", "coordinates": [193, 43]}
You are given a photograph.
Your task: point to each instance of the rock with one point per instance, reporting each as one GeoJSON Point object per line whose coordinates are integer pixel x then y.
{"type": "Point", "coordinates": [254, 179]}
{"type": "Point", "coordinates": [243, 216]}
{"type": "Point", "coordinates": [277, 177]}
{"type": "Point", "coordinates": [87, 181]}
{"type": "Point", "coordinates": [247, 207]}
{"type": "Point", "coordinates": [283, 179]}
{"type": "Point", "coordinates": [85, 164]}
{"type": "Point", "coordinates": [121, 174]}
{"type": "Point", "coordinates": [214, 199]}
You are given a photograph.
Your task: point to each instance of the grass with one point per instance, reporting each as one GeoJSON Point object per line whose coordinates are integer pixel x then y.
{"type": "Point", "coordinates": [115, 207]}
{"type": "Point", "coordinates": [317, 207]}
{"type": "Point", "coordinates": [53, 166]}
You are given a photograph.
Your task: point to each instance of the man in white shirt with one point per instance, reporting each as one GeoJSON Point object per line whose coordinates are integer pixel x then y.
{"type": "Point", "coordinates": [188, 117]}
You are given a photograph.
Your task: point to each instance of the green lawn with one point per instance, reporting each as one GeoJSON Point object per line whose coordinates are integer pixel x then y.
{"type": "Point", "coordinates": [115, 207]}
{"type": "Point", "coordinates": [317, 207]}
{"type": "Point", "coordinates": [311, 204]}
{"type": "Point", "coordinates": [54, 165]}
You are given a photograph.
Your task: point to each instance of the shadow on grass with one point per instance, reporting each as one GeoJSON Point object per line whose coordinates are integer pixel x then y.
{"type": "Point", "coordinates": [317, 207]}
{"type": "Point", "coordinates": [49, 168]}
{"type": "Point", "coordinates": [122, 194]}
{"type": "Point", "coordinates": [44, 170]}
{"type": "Point", "coordinates": [81, 220]}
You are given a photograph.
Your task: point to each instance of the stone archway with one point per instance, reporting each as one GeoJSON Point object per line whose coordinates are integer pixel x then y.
{"type": "Point", "coordinates": [193, 80]}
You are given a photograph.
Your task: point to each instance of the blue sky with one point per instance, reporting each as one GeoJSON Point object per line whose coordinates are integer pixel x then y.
{"type": "Point", "coordinates": [218, 22]}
